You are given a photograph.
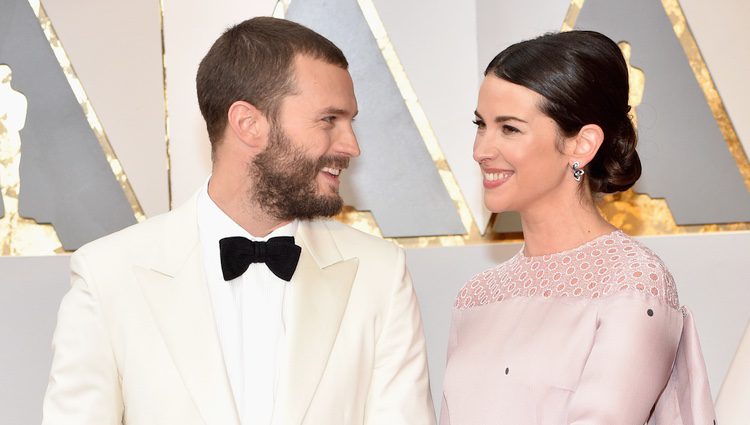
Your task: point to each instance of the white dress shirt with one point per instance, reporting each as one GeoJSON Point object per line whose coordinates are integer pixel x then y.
{"type": "Point", "coordinates": [249, 315]}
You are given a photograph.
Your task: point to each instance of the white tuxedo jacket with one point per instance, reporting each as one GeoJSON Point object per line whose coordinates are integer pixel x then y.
{"type": "Point", "coordinates": [136, 340]}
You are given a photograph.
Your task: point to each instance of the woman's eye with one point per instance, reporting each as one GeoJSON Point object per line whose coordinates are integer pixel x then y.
{"type": "Point", "coordinates": [478, 123]}
{"type": "Point", "coordinates": [509, 129]}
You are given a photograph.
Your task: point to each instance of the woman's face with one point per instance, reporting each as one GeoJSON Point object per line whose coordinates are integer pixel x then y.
{"type": "Point", "coordinates": [515, 147]}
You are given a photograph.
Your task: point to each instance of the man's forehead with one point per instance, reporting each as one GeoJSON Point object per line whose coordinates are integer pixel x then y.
{"type": "Point", "coordinates": [326, 87]}
{"type": "Point", "coordinates": [314, 70]}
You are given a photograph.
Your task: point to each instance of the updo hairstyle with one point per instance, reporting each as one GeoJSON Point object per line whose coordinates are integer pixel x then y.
{"type": "Point", "coordinates": [583, 78]}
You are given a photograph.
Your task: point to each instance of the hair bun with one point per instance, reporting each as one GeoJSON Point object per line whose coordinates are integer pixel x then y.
{"type": "Point", "coordinates": [617, 166]}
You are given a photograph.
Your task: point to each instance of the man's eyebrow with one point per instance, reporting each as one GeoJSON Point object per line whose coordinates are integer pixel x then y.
{"type": "Point", "coordinates": [339, 111]}
{"type": "Point", "coordinates": [502, 118]}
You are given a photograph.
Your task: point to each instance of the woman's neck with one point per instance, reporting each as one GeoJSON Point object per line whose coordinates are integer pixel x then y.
{"type": "Point", "coordinates": [548, 229]}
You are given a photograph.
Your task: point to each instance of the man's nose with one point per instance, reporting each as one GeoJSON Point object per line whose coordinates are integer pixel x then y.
{"type": "Point", "coordinates": [348, 145]}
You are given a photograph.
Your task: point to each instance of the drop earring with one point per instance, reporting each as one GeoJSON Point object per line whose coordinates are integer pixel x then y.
{"type": "Point", "coordinates": [577, 171]}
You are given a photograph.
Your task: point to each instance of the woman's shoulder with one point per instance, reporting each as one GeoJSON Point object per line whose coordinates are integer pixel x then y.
{"type": "Point", "coordinates": [486, 286]}
{"type": "Point", "coordinates": [643, 271]}
{"type": "Point", "coordinates": [617, 263]}
{"type": "Point", "coordinates": [607, 266]}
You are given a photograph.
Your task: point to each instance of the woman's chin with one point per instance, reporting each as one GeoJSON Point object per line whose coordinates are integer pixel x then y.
{"type": "Point", "coordinates": [498, 205]}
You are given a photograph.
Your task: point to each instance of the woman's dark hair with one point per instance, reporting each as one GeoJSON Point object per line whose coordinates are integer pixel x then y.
{"type": "Point", "coordinates": [583, 78]}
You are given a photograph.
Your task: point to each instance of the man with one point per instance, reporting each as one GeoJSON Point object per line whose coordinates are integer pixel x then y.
{"type": "Point", "coordinates": [199, 316]}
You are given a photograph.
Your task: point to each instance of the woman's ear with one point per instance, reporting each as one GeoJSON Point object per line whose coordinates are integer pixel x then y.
{"type": "Point", "coordinates": [585, 144]}
{"type": "Point", "coordinates": [248, 124]}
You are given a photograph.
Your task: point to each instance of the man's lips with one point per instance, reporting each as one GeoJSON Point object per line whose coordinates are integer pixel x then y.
{"type": "Point", "coordinates": [332, 171]}
{"type": "Point", "coordinates": [331, 175]}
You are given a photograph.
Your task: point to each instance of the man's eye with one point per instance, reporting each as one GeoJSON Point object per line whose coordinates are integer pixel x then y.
{"type": "Point", "coordinates": [329, 119]}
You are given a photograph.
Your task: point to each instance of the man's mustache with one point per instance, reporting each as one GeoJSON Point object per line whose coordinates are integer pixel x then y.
{"type": "Point", "coordinates": [333, 161]}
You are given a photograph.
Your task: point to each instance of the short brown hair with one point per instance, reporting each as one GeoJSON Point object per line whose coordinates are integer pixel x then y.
{"type": "Point", "coordinates": [253, 61]}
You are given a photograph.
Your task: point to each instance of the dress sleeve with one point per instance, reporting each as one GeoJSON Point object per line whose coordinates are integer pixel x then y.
{"type": "Point", "coordinates": [687, 398]}
{"type": "Point", "coordinates": [630, 361]}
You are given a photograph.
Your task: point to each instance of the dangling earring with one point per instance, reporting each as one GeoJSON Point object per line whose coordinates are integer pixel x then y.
{"type": "Point", "coordinates": [577, 171]}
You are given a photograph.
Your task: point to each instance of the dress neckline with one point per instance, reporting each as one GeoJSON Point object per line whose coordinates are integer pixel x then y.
{"type": "Point", "coordinates": [591, 243]}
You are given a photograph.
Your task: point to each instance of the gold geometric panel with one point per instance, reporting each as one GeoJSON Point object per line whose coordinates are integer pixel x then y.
{"type": "Point", "coordinates": [23, 236]}
{"type": "Point", "coordinates": [364, 220]}
{"type": "Point", "coordinates": [636, 214]}
{"type": "Point", "coordinates": [639, 214]}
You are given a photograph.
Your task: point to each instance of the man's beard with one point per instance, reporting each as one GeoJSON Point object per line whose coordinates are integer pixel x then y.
{"type": "Point", "coordinates": [285, 180]}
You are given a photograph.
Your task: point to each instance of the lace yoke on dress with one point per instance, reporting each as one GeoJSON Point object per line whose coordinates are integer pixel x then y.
{"type": "Point", "coordinates": [604, 266]}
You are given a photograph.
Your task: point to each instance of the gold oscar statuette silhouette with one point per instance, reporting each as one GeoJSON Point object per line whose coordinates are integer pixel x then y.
{"type": "Point", "coordinates": [18, 235]}
{"type": "Point", "coordinates": [633, 212]}
{"type": "Point", "coordinates": [636, 80]}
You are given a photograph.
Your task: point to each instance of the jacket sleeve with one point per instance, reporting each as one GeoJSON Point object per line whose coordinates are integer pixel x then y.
{"type": "Point", "coordinates": [84, 384]}
{"type": "Point", "coordinates": [630, 361]}
{"type": "Point", "coordinates": [399, 392]}
{"type": "Point", "coordinates": [452, 343]}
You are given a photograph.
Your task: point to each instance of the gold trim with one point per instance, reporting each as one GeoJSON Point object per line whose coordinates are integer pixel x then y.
{"type": "Point", "coordinates": [361, 220]}
{"type": "Point", "coordinates": [703, 76]}
{"type": "Point", "coordinates": [168, 147]}
{"type": "Point", "coordinates": [425, 130]}
{"type": "Point", "coordinates": [364, 220]}
{"type": "Point", "coordinates": [572, 15]}
{"type": "Point", "coordinates": [641, 215]}
{"type": "Point", "coordinates": [88, 110]}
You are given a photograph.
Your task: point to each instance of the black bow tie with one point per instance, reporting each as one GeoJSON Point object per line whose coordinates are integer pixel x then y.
{"type": "Point", "coordinates": [280, 254]}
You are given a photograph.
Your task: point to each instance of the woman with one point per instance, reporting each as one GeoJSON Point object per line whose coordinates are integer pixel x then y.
{"type": "Point", "coordinates": [583, 325]}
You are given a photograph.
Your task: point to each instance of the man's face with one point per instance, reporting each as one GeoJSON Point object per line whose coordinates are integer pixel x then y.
{"type": "Point", "coordinates": [309, 144]}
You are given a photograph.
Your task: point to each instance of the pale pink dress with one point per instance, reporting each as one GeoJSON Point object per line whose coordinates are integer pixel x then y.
{"type": "Point", "coordinates": [594, 335]}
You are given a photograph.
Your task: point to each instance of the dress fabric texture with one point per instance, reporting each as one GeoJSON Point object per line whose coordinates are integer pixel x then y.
{"type": "Point", "coordinates": [593, 335]}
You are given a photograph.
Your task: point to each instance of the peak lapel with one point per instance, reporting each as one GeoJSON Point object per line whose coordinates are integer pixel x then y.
{"type": "Point", "coordinates": [175, 289]}
{"type": "Point", "coordinates": [316, 301]}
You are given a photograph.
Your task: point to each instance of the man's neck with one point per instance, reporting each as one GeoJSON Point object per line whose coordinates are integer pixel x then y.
{"type": "Point", "coordinates": [233, 199]}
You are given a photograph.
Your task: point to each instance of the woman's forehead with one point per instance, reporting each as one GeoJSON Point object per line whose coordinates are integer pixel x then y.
{"type": "Point", "coordinates": [498, 97]}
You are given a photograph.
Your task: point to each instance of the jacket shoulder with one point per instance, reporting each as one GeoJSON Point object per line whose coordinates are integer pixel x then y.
{"type": "Point", "coordinates": [138, 239]}
{"type": "Point", "coordinates": [349, 238]}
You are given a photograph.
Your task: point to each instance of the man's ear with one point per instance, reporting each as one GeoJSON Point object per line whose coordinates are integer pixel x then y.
{"type": "Point", "coordinates": [583, 146]}
{"type": "Point", "coordinates": [248, 124]}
